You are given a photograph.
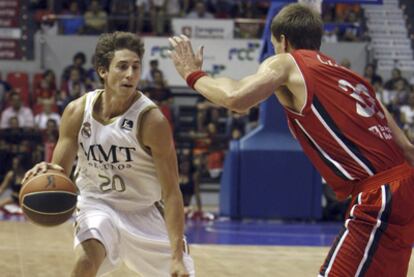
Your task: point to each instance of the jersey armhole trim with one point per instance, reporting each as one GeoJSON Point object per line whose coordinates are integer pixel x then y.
{"type": "Point", "coordinates": [306, 90]}
{"type": "Point", "coordinates": [139, 128]}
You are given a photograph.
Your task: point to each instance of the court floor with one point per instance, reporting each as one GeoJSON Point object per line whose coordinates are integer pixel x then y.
{"type": "Point", "coordinates": [219, 248]}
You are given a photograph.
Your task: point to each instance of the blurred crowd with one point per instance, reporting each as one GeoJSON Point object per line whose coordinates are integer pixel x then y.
{"type": "Point", "coordinates": [344, 22]}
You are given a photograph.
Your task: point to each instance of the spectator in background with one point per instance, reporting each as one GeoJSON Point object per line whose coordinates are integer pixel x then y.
{"type": "Point", "coordinates": [75, 78]}
{"type": "Point", "coordinates": [50, 137]}
{"type": "Point", "coordinates": [158, 16]}
{"type": "Point", "coordinates": [224, 8]}
{"type": "Point", "coordinates": [42, 118]}
{"type": "Point", "coordinates": [148, 77]}
{"type": "Point", "coordinates": [141, 11]}
{"type": "Point", "coordinates": [401, 91]}
{"type": "Point", "coordinates": [122, 16]}
{"type": "Point", "coordinates": [199, 11]}
{"type": "Point", "coordinates": [407, 113]}
{"type": "Point", "coordinates": [46, 88]}
{"type": "Point", "coordinates": [411, 81]}
{"type": "Point", "coordinates": [96, 20]}
{"type": "Point", "coordinates": [49, 24]}
{"type": "Point", "coordinates": [17, 140]}
{"type": "Point", "coordinates": [371, 75]}
{"type": "Point", "coordinates": [79, 60]}
{"type": "Point", "coordinates": [158, 89]}
{"type": "Point", "coordinates": [5, 90]}
{"type": "Point", "coordinates": [382, 94]}
{"type": "Point", "coordinates": [12, 180]}
{"type": "Point", "coordinates": [160, 93]}
{"type": "Point", "coordinates": [235, 124]}
{"type": "Point", "coordinates": [186, 171]}
{"type": "Point", "coordinates": [395, 76]}
{"type": "Point", "coordinates": [71, 22]}
{"type": "Point", "coordinates": [75, 92]}
{"type": "Point", "coordinates": [23, 114]}
{"type": "Point", "coordinates": [249, 9]}
{"type": "Point", "coordinates": [343, 11]}
{"type": "Point", "coordinates": [92, 80]}
{"type": "Point", "coordinates": [330, 34]}
{"type": "Point", "coordinates": [345, 62]}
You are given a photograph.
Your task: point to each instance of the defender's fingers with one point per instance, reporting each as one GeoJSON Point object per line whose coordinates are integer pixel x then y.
{"type": "Point", "coordinates": [172, 42]}
{"type": "Point", "coordinates": [200, 52]}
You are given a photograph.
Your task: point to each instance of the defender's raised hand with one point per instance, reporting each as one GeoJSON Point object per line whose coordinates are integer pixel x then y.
{"type": "Point", "coordinates": [183, 56]}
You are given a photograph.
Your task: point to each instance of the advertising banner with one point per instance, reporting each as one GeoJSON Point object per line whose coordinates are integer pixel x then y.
{"type": "Point", "coordinates": [205, 28]}
{"type": "Point", "coordinates": [234, 58]}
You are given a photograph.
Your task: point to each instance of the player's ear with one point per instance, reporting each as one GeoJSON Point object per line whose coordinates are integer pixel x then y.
{"type": "Point", "coordinates": [285, 43]}
{"type": "Point", "coordinates": [102, 72]}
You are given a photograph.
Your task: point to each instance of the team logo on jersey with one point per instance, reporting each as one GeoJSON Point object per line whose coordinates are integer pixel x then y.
{"type": "Point", "coordinates": [127, 124]}
{"type": "Point", "coordinates": [86, 130]}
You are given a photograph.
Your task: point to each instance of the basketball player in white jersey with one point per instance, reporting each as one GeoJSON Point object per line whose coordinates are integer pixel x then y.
{"type": "Point", "coordinates": [126, 165]}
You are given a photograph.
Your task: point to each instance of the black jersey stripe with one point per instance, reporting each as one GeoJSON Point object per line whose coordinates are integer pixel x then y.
{"type": "Point", "coordinates": [327, 162]}
{"type": "Point", "coordinates": [379, 231]}
{"type": "Point", "coordinates": [347, 142]}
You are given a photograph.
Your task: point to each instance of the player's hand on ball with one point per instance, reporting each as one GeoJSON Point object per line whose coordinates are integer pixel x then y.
{"type": "Point", "coordinates": [178, 269]}
{"type": "Point", "coordinates": [183, 56]}
{"type": "Point", "coordinates": [40, 168]}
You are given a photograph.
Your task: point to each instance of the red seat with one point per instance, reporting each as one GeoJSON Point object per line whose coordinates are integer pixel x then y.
{"type": "Point", "coordinates": [37, 79]}
{"type": "Point", "coordinates": [20, 83]}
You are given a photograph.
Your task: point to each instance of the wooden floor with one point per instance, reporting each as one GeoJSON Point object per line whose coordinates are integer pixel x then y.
{"type": "Point", "coordinates": [27, 250]}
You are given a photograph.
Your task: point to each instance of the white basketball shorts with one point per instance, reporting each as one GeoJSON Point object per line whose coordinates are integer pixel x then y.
{"type": "Point", "coordinates": [139, 239]}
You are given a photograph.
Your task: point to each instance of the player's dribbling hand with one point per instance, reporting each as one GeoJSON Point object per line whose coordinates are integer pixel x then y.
{"type": "Point", "coordinates": [178, 269]}
{"type": "Point", "coordinates": [182, 54]}
{"type": "Point", "coordinates": [40, 168]}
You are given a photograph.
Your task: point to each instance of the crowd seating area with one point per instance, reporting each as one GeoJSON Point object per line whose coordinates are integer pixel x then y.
{"type": "Point", "coordinates": [344, 22]}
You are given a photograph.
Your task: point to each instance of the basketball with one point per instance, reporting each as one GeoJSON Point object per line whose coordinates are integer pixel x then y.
{"type": "Point", "coordinates": [49, 198]}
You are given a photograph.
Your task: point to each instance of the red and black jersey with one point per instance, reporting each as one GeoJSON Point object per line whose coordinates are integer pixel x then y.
{"type": "Point", "coordinates": [342, 127]}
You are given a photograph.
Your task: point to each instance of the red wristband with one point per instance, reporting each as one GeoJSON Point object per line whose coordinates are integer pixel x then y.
{"type": "Point", "coordinates": [193, 77]}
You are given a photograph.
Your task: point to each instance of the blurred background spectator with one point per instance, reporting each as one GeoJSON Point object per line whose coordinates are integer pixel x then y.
{"type": "Point", "coordinates": [22, 114]}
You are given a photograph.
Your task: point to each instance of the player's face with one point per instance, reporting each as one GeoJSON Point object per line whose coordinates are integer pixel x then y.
{"type": "Point", "coordinates": [123, 73]}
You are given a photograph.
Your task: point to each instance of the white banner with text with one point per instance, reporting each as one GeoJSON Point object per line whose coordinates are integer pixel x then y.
{"type": "Point", "coordinates": [234, 58]}
{"type": "Point", "coordinates": [204, 29]}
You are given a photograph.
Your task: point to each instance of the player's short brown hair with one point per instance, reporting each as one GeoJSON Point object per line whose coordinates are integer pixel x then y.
{"type": "Point", "coordinates": [108, 43]}
{"type": "Point", "coordinates": [302, 26]}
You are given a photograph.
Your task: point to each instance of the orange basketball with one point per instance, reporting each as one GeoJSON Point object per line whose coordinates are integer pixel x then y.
{"type": "Point", "coordinates": [48, 198]}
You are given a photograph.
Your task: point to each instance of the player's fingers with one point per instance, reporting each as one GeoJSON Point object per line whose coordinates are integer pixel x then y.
{"type": "Point", "coordinates": [27, 175]}
{"type": "Point", "coordinates": [55, 167]}
{"type": "Point", "coordinates": [43, 167]}
{"type": "Point", "coordinates": [172, 42]}
{"type": "Point", "coordinates": [200, 53]}
{"type": "Point", "coordinates": [184, 37]}
{"type": "Point", "coordinates": [176, 43]}
{"type": "Point", "coordinates": [186, 43]}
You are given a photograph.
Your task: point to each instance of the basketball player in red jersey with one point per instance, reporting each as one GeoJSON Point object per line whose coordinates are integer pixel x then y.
{"type": "Point", "coordinates": [347, 134]}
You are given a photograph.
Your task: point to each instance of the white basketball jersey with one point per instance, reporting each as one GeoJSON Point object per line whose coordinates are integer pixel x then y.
{"type": "Point", "coordinates": [112, 165]}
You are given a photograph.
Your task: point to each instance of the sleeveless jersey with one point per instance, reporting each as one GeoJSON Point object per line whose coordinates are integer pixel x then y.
{"type": "Point", "coordinates": [342, 127]}
{"type": "Point", "coordinates": [112, 165]}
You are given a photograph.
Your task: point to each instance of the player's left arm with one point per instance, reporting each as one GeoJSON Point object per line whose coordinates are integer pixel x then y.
{"type": "Point", "coordinates": [157, 136]}
{"type": "Point", "coordinates": [236, 95]}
